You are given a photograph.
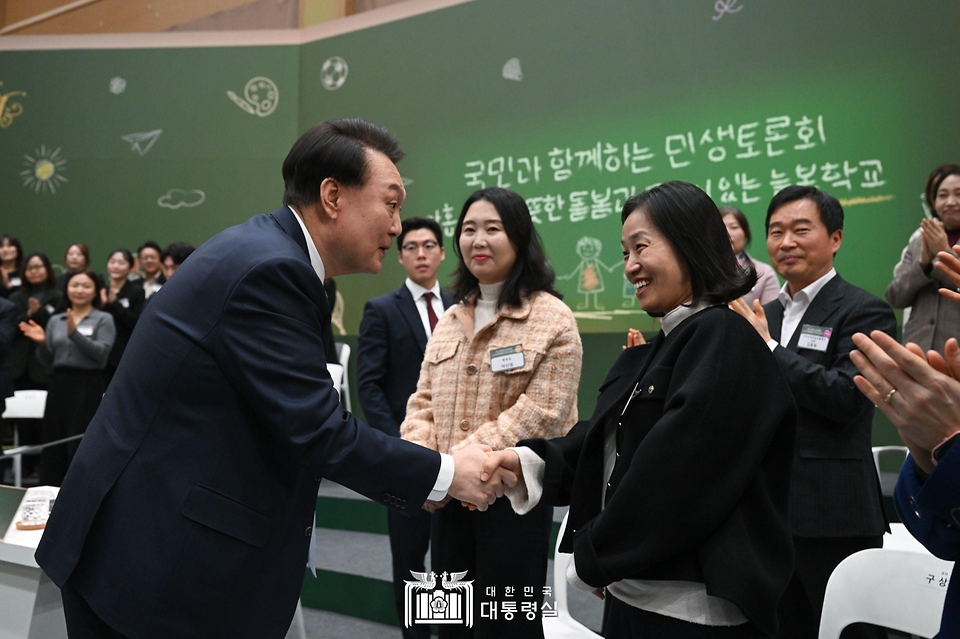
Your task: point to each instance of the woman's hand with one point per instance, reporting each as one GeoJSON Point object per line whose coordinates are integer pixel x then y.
{"type": "Point", "coordinates": [71, 322]}
{"type": "Point", "coordinates": [33, 305]}
{"type": "Point", "coordinates": [934, 241]}
{"type": "Point", "coordinates": [33, 331]}
{"type": "Point", "coordinates": [634, 338]}
{"type": "Point", "coordinates": [103, 296]}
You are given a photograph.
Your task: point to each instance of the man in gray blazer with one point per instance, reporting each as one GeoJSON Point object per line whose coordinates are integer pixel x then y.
{"type": "Point", "coordinates": [836, 506]}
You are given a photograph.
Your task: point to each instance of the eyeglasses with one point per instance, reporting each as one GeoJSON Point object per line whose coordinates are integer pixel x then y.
{"type": "Point", "coordinates": [413, 248]}
{"type": "Point", "coordinates": [35, 267]}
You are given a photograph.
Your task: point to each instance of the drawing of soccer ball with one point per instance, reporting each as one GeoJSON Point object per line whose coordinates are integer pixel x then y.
{"type": "Point", "coordinates": [333, 73]}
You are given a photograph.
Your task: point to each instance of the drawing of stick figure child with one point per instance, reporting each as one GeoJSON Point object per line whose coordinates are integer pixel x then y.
{"type": "Point", "coordinates": [589, 272]}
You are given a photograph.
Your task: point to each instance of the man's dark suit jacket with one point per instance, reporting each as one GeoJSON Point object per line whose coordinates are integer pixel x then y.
{"type": "Point", "coordinates": [389, 354]}
{"type": "Point", "coordinates": [701, 482]}
{"type": "Point", "coordinates": [836, 491]}
{"type": "Point", "coordinates": [8, 333]}
{"type": "Point", "coordinates": [187, 511]}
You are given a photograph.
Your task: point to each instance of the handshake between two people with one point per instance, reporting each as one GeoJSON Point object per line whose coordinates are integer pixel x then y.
{"type": "Point", "coordinates": [481, 475]}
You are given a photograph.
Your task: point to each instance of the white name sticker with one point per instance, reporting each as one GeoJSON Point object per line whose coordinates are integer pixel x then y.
{"type": "Point", "coordinates": [507, 358]}
{"type": "Point", "coordinates": [124, 302]}
{"type": "Point", "coordinates": [15, 281]}
{"type": "Point", "coordinates": [815, 338]}
{"type": "Point", "coordinates": [86, 331]}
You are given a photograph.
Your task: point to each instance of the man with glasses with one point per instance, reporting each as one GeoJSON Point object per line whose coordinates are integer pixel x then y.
{"type": "Point", "coordinates": [393, 336]}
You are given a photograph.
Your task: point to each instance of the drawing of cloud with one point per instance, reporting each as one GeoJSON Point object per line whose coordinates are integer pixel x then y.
{"type": "Point", "coordinates": [178, 198]}
{"type": "Point", "coordinates": [511, 70]}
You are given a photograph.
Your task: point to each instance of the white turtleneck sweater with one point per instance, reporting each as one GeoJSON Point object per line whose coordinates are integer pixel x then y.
{"type": "Point", "coordinates": [486, 308]}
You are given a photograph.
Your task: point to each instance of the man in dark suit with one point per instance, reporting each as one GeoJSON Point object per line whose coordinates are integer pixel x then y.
{"type": "Point", "coordinates": [188, 509]}
{"type": "Point", "coordinates": [835, 503]}
{"type": "Point", "coordinates": [393, 336]}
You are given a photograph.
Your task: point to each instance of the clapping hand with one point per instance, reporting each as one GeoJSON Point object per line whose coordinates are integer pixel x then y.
{"type": "Point", "coordinates": [634, 338]}
{"type": "Point", "coordinates": [71, 321]}
{"type": "Point", "coordinates": [33, 331]}
{"type": "Point", "coordinates": [919, 394]}
{"type": "Point", "coordinates": [949, 265]}
{"type": "Point", "coordinates": [755, 315]}
{"type": "Point", "coordinates": [934, 240]}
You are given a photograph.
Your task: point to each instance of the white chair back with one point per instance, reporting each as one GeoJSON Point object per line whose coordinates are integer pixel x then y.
{"type": "Point", "coordinates": [26, 404]}
{"type": "Point", "coordinates": [895, 589]}
{"type": "Point", "coordinates": [563, 626]}
{"type": "Point", "coordinates": [345, 362]}
{"type": "Point", "coordinates": [336, 374]}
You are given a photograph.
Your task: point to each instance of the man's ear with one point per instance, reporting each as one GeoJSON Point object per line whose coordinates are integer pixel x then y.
{"type": "Point", "coordinates": [330, 197]}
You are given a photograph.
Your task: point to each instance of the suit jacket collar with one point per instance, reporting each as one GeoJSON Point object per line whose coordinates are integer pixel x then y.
{"type": "Point", "coordinates": [409, 312]}
{"type": "Point", "coordinates": [288, 222]}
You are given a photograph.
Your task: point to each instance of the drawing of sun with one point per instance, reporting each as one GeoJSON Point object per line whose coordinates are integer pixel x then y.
{"type": "Point", "coordinates": [44, 173]}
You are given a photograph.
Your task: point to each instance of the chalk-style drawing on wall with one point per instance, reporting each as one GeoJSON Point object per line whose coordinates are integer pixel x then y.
{"type": "Point", "coordinates": [589, 273]}
{"type": "Point", "coordinates": [117, 85]}
{"type": "Point", "coordinates": [511, 70]}
{"type": "Point", "coordinates": [44, 172]}
{"type": "Point", "coordinates": [723, 7]}
{"type": "Point", "coordinates": [260, 97]}
{"type": "Point", "coordinates": [406, 181]}
{"type": "Point", "coordinates": [9, 110]}
{"type": "Point", "coordinates": [333, 73]}
{"type": "Point", "coordinates": [180, 198]}
{"type": "Point", "coordinates": [142, 142]}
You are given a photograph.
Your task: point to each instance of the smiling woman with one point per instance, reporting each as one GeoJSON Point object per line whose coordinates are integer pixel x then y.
{"type": "Point", "coordinates": [502, 365]}
{"type": "Point", "coordinates": [668, 495]}
{"type": "Point", "coordinates": [916, 283]}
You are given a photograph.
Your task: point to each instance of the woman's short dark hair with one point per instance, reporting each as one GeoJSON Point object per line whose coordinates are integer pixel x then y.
{"type": "Point", "coordinates": [97, 287]}
{"type": "Point", "coordinates": [740, 218]}
{"type": "Point", "coordinates": [83, 249]}
{"type": "Point", "coordinates": [531, 271]}
{"type": "Point", "coordinates": [691, 222]}
{"type": "Point", "coordinates": [50, 280]}
{"type": "Point", "coordinates": [937, 176]}
{"type": "Point", "coordinates": [831, 212]}
{"type": "Point", "coordinates": [125, 254]}
{"type": "Point", "coordinates": [15, 243]}
{"type": "Point", "coordinates": [334, 149]}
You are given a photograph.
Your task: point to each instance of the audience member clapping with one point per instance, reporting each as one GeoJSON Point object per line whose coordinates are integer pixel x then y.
{"type": "Point", "coordinates": [150, 267]}
{"type": "Point", "coordinates": [11, 259]}
{"type": "Point", "coordinates": [76, 345]}
{"type": "Point", "coordinates": [36, 301]}
{"type": "Point", "coordinates": [916, 282]}
{"type": "Point", "coordinates": [123, 299]}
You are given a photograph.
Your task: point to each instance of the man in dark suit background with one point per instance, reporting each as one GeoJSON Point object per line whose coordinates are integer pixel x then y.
{"type": "Point", "coordinates": [835, 502]}
{"type": "Point", "coordinates": [188, 509]}
{"type": "Point", "coordinates": [393, 336]}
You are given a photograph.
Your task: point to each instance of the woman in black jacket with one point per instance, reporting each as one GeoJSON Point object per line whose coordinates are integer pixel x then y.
{"type": "Point", "coordinates": [678, 484]}
{"type": "Point", "coordinates": [37, 300]}
{"type": "Point", "coordinates": [123, 299]}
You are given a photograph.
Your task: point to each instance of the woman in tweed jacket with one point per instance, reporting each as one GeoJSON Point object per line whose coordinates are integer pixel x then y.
{"type": "Point", "coordinates": [502, 365]}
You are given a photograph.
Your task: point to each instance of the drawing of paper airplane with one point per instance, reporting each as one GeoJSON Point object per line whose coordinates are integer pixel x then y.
{"type": "Point", "coordinates": [142, 142]}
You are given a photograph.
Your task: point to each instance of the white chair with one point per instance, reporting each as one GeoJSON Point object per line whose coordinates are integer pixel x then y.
{"type": "Point", "coordinates": [563, 626]}
{"type": "Point", "coordinates": [336, 374]}
{"type": "Point", "coordinates": [344, 356]}
{"type": "Point", "coordinates": [889, 588]}
{"type": "Point", "coordinates": [25, 404]}
{"type": "Point", "coordinates": [880, 451]}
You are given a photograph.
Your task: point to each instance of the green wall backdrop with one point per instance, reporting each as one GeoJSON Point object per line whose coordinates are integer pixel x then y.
{"type": "Point", "coordinates": [573, 104]}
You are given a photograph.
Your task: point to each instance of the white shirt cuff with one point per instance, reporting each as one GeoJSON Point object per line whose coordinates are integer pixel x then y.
{"type": "Point", "coordinates": [574, 579]}
{"type": "Point", "coordinates": [527, 493]}
{"type": "Point", "coordinates": [772, 343]}
{"type": "Point", "coordinates": [444, 478]}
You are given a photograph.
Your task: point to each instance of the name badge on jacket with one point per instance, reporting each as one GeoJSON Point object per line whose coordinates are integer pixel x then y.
{"type": "Point", "coordinates": [815, 338]}
{"type": "Point", "coordinates": [86, 331]}
{"type": "Point", "coordinates": [507, 358]}
{"type": "Point", "coordinates": [124, 302]}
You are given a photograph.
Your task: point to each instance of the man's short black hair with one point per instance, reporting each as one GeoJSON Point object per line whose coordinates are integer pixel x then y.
{"type": "Point", "coordinates": [179, 251]}
{"type": "Point", "coordinates": [416, 223]}
{"type": "Point", "coordinates": [831, 213]}
{"type": "Point", "coordinates": [333, 149]}
{"type": "Point", "coordinates": [150, 244]}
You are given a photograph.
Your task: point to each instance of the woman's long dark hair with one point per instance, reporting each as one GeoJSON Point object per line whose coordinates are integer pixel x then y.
{"type": "Point", "coordinates": [690, 221]}
{"type": "Point", "coordinates": [530, 273]}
